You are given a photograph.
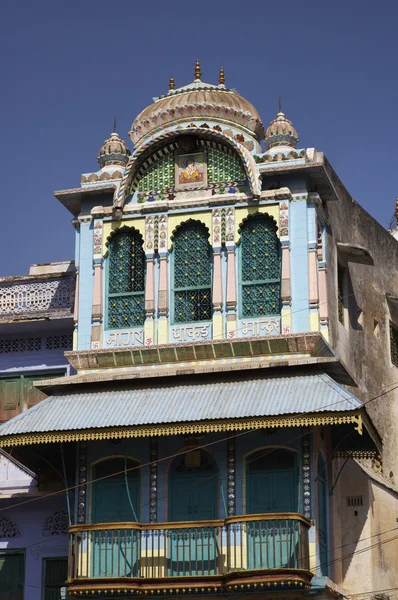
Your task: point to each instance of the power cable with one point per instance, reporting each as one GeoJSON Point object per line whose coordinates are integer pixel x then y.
{"type": "Point", "coordinates": [175, 455]}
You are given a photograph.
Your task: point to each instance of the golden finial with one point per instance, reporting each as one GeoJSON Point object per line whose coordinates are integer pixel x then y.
{"type": "Point", "coordinates": [198, 74]}
{"type": "Point", "coordinates": [221, 77]}
{"type": "Point", "coordinates": [171, 84]}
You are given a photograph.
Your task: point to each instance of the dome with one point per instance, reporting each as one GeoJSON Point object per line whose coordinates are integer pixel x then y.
{"type": "Point", "coordinates": [281, 133]}
{"type": "Point", "coordinates": [197, 102]}
{"type": "Point", "coordinates": [114, 151]}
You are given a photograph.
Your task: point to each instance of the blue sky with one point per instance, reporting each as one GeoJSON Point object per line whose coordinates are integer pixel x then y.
{"type": "Point", "coordinates": [69, 66]}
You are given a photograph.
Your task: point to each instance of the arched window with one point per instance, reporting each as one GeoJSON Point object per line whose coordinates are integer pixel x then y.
{"type": "Point", "coordinates": [126, 280]}
{"type": "Point", "coordinates": [192, 264]}
{"type": "Point", "coordinates": [260, 268]}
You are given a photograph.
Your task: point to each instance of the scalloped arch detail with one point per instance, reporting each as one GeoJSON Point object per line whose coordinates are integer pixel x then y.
{"type": "Point", "coordinates": [186, 222]}
{"type": "Point", "coordinates": [134, 162]}
{"type": "Point", "coordinates": [254, 215]}
{"type": "Point", "coordinates": [120, 230]}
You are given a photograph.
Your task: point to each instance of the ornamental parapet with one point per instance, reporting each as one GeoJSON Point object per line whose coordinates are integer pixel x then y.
{"type": "Point", "coordinates": [36, 296]}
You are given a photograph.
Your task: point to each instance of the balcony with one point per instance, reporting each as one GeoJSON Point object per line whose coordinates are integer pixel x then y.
{"type": "Point", "coordinates": [31, 296]}
{"type": "Point", "coordinates": [243, 553]}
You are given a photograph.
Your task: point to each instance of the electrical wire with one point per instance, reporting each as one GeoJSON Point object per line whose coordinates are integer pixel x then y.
{"type": "Point", "coordinates": [183, 451]}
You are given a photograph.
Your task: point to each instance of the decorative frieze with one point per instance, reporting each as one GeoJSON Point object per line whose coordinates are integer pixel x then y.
{"type": "Point", "coordinates": [153, 482]}
{"type": "Point", "coordinates": [306, 466]}
{"type": "Point", "coordinates": [81, 505]}
{"type": "Point", "coordinates": [231, 471]}
{"type": "Point", "coordinates": [97, 237]}
{"type": "Point", "coordinates": [284, 219]}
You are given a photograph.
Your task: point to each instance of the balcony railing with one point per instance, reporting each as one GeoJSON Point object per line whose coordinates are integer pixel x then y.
{"type": "Point", "coordinates": [38, 296]}
{"type": "Point", "coordinates": [218, 550]}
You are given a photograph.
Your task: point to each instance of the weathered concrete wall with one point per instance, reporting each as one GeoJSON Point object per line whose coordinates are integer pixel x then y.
{"type": "Point", "coordinates": [363, 346]}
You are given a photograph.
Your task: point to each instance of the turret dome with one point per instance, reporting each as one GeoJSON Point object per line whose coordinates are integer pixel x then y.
{"type": "Point", "coordinates": [281, 133]}
{"type": "Point", "coordinates": [114, 151]}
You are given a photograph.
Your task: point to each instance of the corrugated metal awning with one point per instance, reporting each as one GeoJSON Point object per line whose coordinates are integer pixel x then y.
{"type": "Point", "coordinates": [185, 406]}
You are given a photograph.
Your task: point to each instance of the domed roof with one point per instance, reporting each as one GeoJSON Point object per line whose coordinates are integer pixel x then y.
{"type": "Point", "coordinates": [114, 151]}
{"type": "Point", "coordinates": [198, 101]}
{"type": "Point", "coordinates": [281, 133]}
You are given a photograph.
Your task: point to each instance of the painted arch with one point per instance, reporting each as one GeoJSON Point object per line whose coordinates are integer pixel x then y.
{"type": "Point", "coordinates": [141, 154]}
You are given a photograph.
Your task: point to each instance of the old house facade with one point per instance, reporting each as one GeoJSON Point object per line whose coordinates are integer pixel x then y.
{"type": "Point", "coordinates": [228, 425]}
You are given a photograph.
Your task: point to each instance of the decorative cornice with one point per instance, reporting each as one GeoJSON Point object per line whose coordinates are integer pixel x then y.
{"type": "Point", "coordinates": [144, 431]}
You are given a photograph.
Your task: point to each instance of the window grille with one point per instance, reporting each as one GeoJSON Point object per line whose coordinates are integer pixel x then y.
{"type": "Point", "coordinates": [260, 268]}
{"type": "Point", "coordinates": [224, 167]}
{"type": "Point", "coordinates": [8, 346]}
{"type": "Point", "coordinates": [159, 175]}
{"type": "Point", "coordinates": [55, 342]}
{"type": "Point", "coordinates": [192, 262]}
{"type": "Point", "coordinates": [126, 287]}
{"type": "Point", "coordinates": [394, 344]}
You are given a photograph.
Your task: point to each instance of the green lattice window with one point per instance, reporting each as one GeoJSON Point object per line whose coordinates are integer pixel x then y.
{"type": "Point", "coordinates": [224, 167]}
{"type": "Point", "coordinates": [126, 280]}
{"type": "Point", "coordinates": [159, 175]}
{"type": "Point", "coordinates": [192, 263]}
{"type": "Point", "coordinates": [260, 268]}
{"type": "Point", "coordinates": [394, 344]}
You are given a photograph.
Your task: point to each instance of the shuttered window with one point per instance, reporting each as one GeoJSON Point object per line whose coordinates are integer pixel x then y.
{"type": "Point", "coordinates": [55, 575]}
{"type": "Point", "coordinates": [12, 576]}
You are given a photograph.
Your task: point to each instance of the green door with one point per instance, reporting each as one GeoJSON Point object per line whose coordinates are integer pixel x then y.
{"type": "Point", "coordinates": [115, 552]}
{"type": "Point", "coordinates": [12, 576]}
{"type": "Point", "coordinates": [193, 485]}
{"type": "Point", "coordinates": [271, 488]}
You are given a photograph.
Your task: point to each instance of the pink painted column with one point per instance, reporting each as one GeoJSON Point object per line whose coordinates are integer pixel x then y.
{"type": "Point", "coordinates": [231, 280]}
{"type": "Point", "coordinates": [217, 281]}
{"type": "Point", "coordinates": [163, 287]}
{"type": "Point", "coordinates": [313, 277]}
{"type": "Point", "coordinates": [149, 288]}
{"type": "Point", "coordinates": [286, 292]}
{"type": "Point", "coordinates": [97, 292]}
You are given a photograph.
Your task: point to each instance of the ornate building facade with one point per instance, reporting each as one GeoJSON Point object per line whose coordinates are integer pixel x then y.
{"type": "Point", "coordinates": [220, 431]}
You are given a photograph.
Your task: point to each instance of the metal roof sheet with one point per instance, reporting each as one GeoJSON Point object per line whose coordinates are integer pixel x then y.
{"type": "Point", "coordinates": [180, 401]}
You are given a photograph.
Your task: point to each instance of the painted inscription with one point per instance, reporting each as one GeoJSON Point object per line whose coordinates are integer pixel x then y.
{"type": "Point", "coordinates": [191, 333]}
{"type": "Point", "coordinates": [260, 327]}
{"type": "Point", "coordinates": [126, 338]}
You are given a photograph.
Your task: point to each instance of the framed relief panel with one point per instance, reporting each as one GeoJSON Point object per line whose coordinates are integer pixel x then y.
{"type": "Point", "coordinates": [191, 171]}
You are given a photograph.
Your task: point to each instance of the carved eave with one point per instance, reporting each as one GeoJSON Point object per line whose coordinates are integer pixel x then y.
{"type": "Point", "coordinates": [72, 199]}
